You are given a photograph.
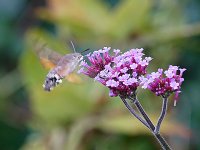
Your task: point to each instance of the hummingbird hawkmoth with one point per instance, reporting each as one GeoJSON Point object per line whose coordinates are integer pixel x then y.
{"type": "Point", "coordinates": [60, 66]}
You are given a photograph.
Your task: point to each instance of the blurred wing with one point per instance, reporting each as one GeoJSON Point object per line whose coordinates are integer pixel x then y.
{"type": "Point", "coordinates": [48, 57]}
{"type": "Point", "coordinates": [74, 78]}
{"type": "Point", "coordinates": [47, 64]}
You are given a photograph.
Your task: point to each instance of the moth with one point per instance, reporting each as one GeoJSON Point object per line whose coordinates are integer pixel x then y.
{"type": "Point", "coordinates": [60, 66]}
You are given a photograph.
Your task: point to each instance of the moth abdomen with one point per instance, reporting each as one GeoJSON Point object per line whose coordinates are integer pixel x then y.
{"type": "Point", "coordinates": [52, 80]}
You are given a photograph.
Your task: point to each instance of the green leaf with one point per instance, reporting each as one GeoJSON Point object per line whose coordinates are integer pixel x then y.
{"type": "Point", "coordinates": [129, 17]}
{"type": "Point", "coordinates": [126, 124]}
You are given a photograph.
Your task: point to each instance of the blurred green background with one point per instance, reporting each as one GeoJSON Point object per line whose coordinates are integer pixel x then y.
{"type": "Point", "coordinates": [82, 116]}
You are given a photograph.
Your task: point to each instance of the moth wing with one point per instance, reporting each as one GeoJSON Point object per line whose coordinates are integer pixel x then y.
{"type": "Point", "coordinates": [47, 64]}
{"type": "Point", "coordinates": [67, 64]}
{"type": "Point", "coordinates": [48, 57]}
{"type": "Point", "coordinates": [66, 71]}
{"type": "Point", "coordinates": [73, 78]}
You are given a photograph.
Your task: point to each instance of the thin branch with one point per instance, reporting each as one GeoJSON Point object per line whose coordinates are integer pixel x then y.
{"type": "Point", "coordinates": [162, 142]}
{"type": "Point", "coordinates": [159, 138]}
{"type": "Point", "coordinates": [132, 111]}
{"type": "Point", "coordinates": [162, 115]}
{"type": "Point", "coordinates": [142, 111]}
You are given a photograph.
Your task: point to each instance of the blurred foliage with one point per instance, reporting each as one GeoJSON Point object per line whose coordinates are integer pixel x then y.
{"type": "Point", "coordinates": [82, 116]}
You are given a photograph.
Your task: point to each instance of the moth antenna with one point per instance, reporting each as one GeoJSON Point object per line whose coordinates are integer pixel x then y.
{"type": "Point", "coordinates": [73, 46]}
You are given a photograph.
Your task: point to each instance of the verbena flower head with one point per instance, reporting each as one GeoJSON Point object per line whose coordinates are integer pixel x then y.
{"type": "Point", "coordinates": [164, 86]}
{"type": "Point", "coordinates": [97, 61]}
{"type": "Point", "coordinates": [119, 72]}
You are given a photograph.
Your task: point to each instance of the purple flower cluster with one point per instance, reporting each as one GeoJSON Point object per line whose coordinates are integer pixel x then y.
{"type": "Point", "coordinates": [164, 86]}
{"type": "Point", "coordinates": [122, 73]}
{"type": "Point", "coordinates": [119, 72]}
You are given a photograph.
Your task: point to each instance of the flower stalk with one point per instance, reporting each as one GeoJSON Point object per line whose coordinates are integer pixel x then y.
{"type": "Point", "coordinates": [152, 128]}
{"type": "Point", "coordinates": [162, 114]}
{"type": "Point", "coordinates": [134, 99]}
{"type": "Point", "coordinates": [133, 112]}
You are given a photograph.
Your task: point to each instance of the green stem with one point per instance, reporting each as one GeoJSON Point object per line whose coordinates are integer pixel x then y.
{"type": "Point", "coordinates": [132, 111]}
{"type": "Point", "coordinates": [162, 115]}
{"type": "Point", "coordinates": [157, 135]}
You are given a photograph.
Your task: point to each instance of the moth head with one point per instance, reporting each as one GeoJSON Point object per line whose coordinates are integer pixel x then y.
{"type": "Point", "coordinates": [51, 81]}
{"type": "Point", "coordinates": [77, 56]}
